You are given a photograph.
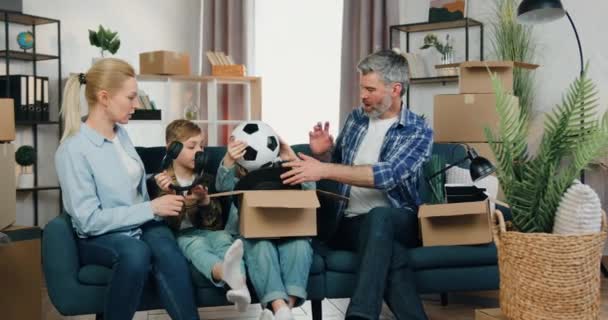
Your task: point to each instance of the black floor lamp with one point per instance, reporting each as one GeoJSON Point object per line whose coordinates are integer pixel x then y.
{"type": "Point", "coordinates": [541, 11]}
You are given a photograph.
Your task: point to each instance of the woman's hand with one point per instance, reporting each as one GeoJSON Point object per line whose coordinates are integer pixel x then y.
{"type": "Point", "coordinates": [199, 194]}
{"type": "Point", "coordinates": [167, 205]}
{"type": "Point", "coordinates": [164, 181]}
{"type": "Point", "coordinates": [236, 150]}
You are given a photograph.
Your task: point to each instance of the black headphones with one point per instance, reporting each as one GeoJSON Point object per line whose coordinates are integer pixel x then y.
{"type": "Point", "coordinates": [200, 161]}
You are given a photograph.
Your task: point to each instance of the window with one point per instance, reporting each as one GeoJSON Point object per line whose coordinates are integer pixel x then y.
{"type": "Point", "coordinates": [296, 50]}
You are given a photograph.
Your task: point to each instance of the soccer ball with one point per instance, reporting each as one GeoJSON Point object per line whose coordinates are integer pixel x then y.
{"type": "Point", "coordinates": [262, 144]}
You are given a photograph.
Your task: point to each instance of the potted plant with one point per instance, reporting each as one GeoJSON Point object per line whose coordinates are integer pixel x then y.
{"type": "Point", "coordinates": [445, 49]}
{"type": "Point", "coordinates": [105, 40]}
{"type": "Point", "coordinates": [544, 275]}
{"type": "Point", "coordinates": [25, 156]}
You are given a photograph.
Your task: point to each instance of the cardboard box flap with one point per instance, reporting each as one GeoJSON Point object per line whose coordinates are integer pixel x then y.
{"type": "Point", "coordinates": [224, 194]}
{"type": "Point", "coordinates": [497, 64]}
{"type": "Point", "coordinates": [282, 199]}
{"type": "Point", "coordinates": [450, 209]}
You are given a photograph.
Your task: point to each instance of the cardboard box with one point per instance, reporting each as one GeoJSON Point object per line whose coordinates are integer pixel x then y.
{"type": "Point", "coordinates": [164, 62]}
{"type": "Point", "coordinates": [475, 78]}
{"type": "Point", "coordinates": [21, 274]}
{"type": "Point", "coordinates": [489, 314]}
{"type": "Point", "coordinates": [463, 117]}
{"type": "Point", "coordinates": [8, 196]}
{"type": "Point", "coordinates": [7, 120]}
{"type": "Point", "coordinates": [232, 70]}
{"type": "Point", "coordinates": [455, 223]}
{"type": "Point", "coordinates": [276, 213]}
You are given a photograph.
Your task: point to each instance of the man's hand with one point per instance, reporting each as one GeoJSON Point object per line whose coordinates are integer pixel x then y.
{"type": "Point", "coordinates": [305, 170]}
{"type": "Point", "coordinates": [199, 194]}
{"type": "Point", "coordinates": [285, 151]}
{"type": "Point", "coordinates": [236, 150]}
{"type": "Point", "coordinates": [164, 181]}
{"type": "Point", "coordinates": [320, 140]}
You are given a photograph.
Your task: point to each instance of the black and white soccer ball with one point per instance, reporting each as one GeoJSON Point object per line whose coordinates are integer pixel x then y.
{"type": "Point", "coordinates": [262, 145]}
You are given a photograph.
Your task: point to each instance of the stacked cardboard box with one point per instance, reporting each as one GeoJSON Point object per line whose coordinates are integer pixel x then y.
{"type": "Point", "coordinates": [7, 163]}
{"type": "Point", "coordinates": [462, 118]}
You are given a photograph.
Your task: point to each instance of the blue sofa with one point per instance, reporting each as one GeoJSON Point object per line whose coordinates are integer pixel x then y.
{"type": "Point", "coordinates": [77, 289]}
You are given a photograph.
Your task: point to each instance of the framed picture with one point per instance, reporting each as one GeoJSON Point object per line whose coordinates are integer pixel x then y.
{"type": "Point", "coordinates": [447, 10]}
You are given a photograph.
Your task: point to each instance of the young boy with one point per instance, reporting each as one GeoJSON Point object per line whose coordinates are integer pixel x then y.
{"type": "Point", "coordinates": [199, 226]}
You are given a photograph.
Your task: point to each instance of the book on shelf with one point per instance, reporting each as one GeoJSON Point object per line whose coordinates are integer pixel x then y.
{"type": "Point", "coordinates": [18, 91]}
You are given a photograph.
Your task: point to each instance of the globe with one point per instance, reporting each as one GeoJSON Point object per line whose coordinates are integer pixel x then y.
{"type": "Point", "coordinates": [25, 40]}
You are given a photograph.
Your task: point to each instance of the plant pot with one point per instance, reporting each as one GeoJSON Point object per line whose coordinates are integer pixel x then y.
{"type": "Point", "coordinates": [549, 276]}
{"type": "Point", "coordinates": [25, 180]}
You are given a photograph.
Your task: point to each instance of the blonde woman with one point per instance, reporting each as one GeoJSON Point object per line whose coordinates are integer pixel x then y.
{"type": "Point", "coordinates": [104, 192]}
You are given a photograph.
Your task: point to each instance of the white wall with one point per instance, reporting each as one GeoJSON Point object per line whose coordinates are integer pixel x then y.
{"type": "Point", "coordinates": [143, 25]}
{"type": "Point", "coordinates": [297, 54]}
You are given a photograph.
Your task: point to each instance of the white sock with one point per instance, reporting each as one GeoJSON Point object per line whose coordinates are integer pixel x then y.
{"type": "Point", "coordinates": [284, 313]}
{"type": "Point", "coordinates": [240, 297]}
{"type": "Point", "coordinates": [266, 315]}
{"type": "Point", "coordinates": [231, 267]}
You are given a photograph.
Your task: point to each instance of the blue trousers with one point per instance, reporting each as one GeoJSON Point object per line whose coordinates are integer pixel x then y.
{"type": "Point", "coordinates": [133, 261]}
{"type": "Point", "coordinates": [205, 249]}
{"type": "Point", "coordinates": [381, 239]}
{"type": "Point", "coordinates": [278, 268]}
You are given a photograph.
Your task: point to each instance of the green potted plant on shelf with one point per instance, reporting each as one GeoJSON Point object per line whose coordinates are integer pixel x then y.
{"type": "Point", "coordinates": [542, 270]}
{"type": "Point", "coordinates": [445, 49]}
{"type": "Point", "coordinates": [105, 40]}
{"type": "Point", "coordinates": [25, 156]}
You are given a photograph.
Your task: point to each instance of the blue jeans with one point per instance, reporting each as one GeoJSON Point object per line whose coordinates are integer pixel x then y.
{"type": "Point", "coordinates": [206, 248]}
{"type": "Point", "coordinates": [381, 239]}
{"type": "Point", "coordinates": [133, 261]}
{"type": "Point", "coordinates": [278, 268]}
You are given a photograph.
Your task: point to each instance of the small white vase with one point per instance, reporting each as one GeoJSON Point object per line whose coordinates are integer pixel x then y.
{"type": "Point", "coordinates": [95, 59]}
{"type": "Point", "coordinates": [25, 180]}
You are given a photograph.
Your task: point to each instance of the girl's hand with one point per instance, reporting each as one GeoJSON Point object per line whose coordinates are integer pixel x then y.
{"type": "Point", "coordinates": [236, 150]}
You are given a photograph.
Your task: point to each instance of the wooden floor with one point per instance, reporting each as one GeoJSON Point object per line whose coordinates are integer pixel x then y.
{"type": "Point", "coordinates": [460, 307]}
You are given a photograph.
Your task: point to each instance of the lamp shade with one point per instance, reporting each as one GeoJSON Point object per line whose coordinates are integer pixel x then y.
{"type": "Point", "coordinates": [539, 11]}
{"type": "Point", "coordinates": [480, 168]}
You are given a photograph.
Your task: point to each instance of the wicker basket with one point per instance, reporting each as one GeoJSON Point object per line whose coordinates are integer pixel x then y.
{"type": "Point", "coordinates": [548, 276]}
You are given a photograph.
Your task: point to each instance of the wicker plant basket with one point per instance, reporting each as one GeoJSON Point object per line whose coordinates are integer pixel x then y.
{"type": "Point", "coordinates": [547, 276]}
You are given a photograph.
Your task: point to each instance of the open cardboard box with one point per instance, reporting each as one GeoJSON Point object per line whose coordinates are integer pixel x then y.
{"type": "Point", "coordinates": [277, 213]}
{"type": "Point", "coordinates": [450, 224]}
{"type": "Point", "coordinates": [474, 76]}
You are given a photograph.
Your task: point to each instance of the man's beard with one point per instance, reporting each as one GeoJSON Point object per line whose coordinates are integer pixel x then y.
{"type": "Point", "coordinates": [380, 108]}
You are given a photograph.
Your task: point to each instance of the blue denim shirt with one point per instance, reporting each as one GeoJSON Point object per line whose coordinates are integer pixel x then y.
{"type": "Point", "coordinates": [96, 185]}
{"type": "Point", "coordinates": [226, 180]}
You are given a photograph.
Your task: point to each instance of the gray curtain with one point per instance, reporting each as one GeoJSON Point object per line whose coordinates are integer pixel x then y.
{"type": "Point", "coordinates": [224, 29]}
{"type": "Point", "coordinates": [365, 29]}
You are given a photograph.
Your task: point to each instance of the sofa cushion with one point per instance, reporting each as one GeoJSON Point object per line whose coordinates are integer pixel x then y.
{"type": "Point", "coordinates": [100, 275]}
{"type": "Point", "coordinates": [423, 258]}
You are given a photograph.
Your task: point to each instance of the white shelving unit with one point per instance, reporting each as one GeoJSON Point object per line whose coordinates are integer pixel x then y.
{"type": "Point", "coordinates": [173, 92]}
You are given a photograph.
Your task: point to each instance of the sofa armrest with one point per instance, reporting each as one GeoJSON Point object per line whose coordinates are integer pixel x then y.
{"type": "Point", "coordinates": [60, 262]}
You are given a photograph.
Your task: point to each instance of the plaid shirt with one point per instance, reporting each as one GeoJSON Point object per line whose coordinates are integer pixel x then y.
{"type": "Point", "coordinates": [406, 147]}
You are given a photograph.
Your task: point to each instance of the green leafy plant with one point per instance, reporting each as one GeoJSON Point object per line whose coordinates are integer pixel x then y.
{"type": "Point", "coordinates": [573, 136]}
{"type": "Point", "coordinates": [431, 41]}
{"type": "Point", "coordinates": [513, 41]}
{"type": "Point", "coordinates": [104, 39]}
{"type": "Point", "coordinates": [25, 156]}
{"type": "Point", "coordinates": [435, 164]}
